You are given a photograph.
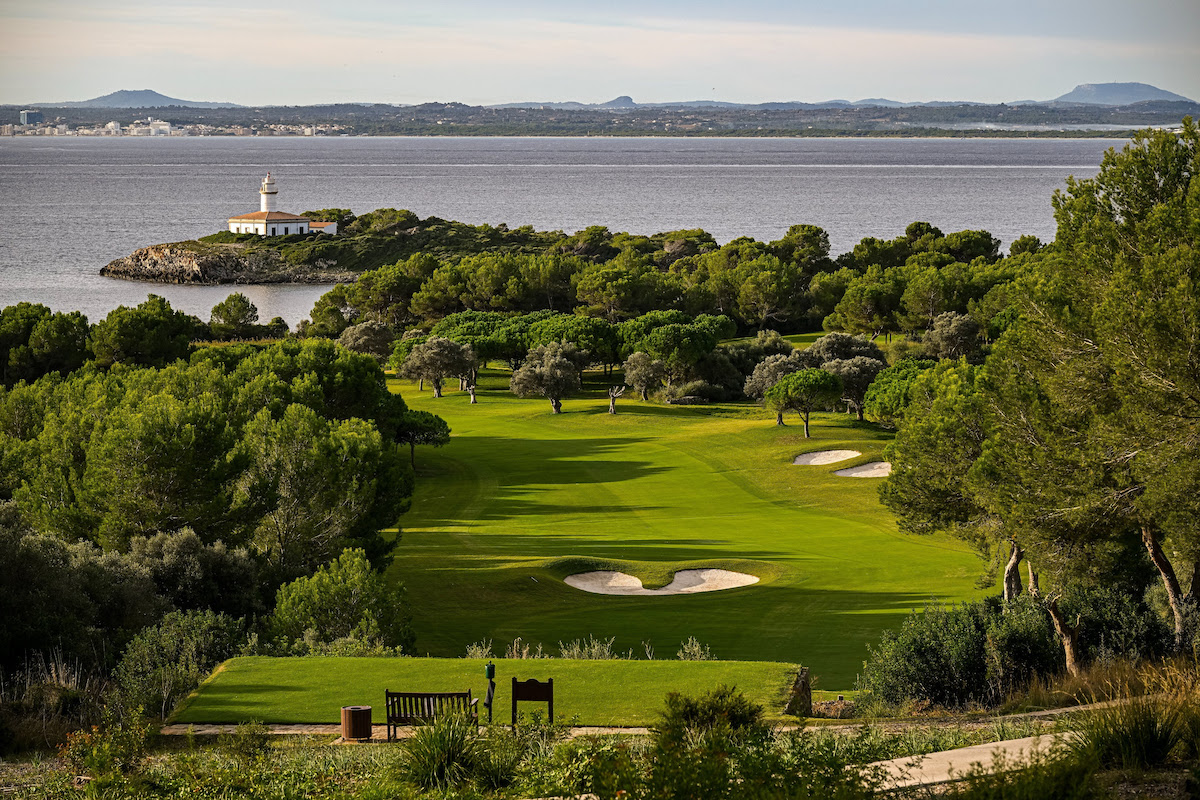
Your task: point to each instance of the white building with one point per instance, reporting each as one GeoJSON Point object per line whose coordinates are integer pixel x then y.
{"type": "Point", "coordinates": [269, 222]}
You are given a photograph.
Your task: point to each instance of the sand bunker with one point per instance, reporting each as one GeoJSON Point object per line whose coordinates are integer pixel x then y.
{"type": "Point", "coordinates": [872, 469]}
{"type": "Point", "coordinates": [824, 457]}
{"type": "Point", "coordinates": [686, 581]}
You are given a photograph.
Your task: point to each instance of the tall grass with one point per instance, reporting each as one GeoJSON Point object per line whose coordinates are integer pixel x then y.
{"type": "Point", "coordinates": [1149, 721]}
{"type": "Point", "coordinates": [443, 755]}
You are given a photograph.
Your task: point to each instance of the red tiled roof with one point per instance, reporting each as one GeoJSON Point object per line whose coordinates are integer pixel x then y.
{"type": "Point", "coordinates": [270, 216]}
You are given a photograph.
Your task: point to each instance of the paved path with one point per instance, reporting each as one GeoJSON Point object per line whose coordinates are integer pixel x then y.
{"type": "Point", "coordinates": [378, 732]}
{"type": "Point", "coordinates": [950, 765]}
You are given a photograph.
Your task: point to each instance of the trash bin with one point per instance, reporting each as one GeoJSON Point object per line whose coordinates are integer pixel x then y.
{"type": "Point", "coordinates": [356, 722]}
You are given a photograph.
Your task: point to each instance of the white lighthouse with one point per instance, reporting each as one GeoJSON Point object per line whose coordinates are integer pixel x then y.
{"type": "Point", "coordinates": [267, 194]}
{"type": "Point", "coordinates": [269, 222]}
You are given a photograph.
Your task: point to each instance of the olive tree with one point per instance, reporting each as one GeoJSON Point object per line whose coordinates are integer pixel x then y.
{"type": "Point", "coordinates": [768, 371]}
{"type": "Point", "coordinates": [856, 375]}
{"type": "Point", "coordinates": [437, 359]}
{"type": "Point", "coordinates": [372, 338]}
{"type": "Point", "coordinates": [550, 371]}
{"type": "Point", "coordinates": [953, 336]}
{"type": "Point", "coordinates": [644, 373]}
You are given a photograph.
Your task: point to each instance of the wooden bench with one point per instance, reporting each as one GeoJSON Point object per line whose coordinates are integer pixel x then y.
{"type": "Point", "coordinates": [414, 708]}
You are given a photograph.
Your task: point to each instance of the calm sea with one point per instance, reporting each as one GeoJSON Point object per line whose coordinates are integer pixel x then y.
{"type": "Point", "coordinates": [69, 206]}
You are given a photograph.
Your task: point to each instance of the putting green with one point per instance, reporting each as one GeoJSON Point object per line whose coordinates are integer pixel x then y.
{"type": "Point", "coordinates": [313, 690]}
{"type": "Point", "coordinates": [521, 498]}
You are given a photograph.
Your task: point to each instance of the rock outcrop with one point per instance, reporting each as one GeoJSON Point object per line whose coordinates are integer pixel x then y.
{"type": "Point", "coordinates": [181, 263]}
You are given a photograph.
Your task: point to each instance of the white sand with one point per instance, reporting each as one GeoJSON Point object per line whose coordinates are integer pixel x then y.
{"type": "Point", "coordinates": [872, 469]}
{"type": "Point", "coordinates": [686, 581]}
{"type": "Point", "coordinates": [824, 457]}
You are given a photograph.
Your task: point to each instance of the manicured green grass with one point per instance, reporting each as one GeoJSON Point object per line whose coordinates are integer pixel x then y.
{"type": "Point", "coordinates": [625, 693]}
{"type": "Point", "coordinates": [520, 498]}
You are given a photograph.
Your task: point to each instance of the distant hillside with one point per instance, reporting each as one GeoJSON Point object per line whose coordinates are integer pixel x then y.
{"type": "Point", "coordinates": [137, 98]}
{"type": "Point", "coordinates": [1117, 94]}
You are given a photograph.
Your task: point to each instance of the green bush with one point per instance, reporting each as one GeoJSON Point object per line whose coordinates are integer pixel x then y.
{"type": "Point", "coordinates": [165, 662]}
{"type": "Point", "coordinates": [1021, 645]}
{"type": "Point", "coordinates": [937, 656]}
{"type": "Point", "coordinates": [247, 743]}
{"type": "Point", "coordinates": [344, 601]}
{"type": "Point", "coordinates": [722, 708]}
{"type": "Point", "coordinates": [110, 751]}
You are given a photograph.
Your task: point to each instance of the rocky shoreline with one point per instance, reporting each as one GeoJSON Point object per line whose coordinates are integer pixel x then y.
{"type": "Point", "coordinates": [180, 263]}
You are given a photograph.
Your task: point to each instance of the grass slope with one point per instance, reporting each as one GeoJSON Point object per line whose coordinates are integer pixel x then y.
{"type": "Point", "coordinates": [626, 693]}
{"type": "Point", "coordinates": [520, 498]}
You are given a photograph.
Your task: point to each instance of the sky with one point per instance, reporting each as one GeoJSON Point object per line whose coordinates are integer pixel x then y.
{"type": "Point", "coordinates": [479, 52]}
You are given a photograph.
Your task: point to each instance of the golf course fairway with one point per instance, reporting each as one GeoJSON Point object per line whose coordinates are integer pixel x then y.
{"type": "Point", "coordinates": [521, 498]}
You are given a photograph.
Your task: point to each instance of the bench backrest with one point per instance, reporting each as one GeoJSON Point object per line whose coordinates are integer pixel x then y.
{"type": "Point", "coordinates": [426, 705]}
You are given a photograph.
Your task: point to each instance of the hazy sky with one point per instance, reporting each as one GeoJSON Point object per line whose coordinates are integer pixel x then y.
{"type": "Point", "coordinates": [471, 51]}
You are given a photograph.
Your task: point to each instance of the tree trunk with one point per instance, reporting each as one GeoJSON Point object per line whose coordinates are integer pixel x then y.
{"type": "Point", "coordinates": [471, 389]}
{"type": "Point", "coordinates": [437, 388]}
{"type": "Point", "coordinates": [1068, 633]}
{"type": "Point", "coordinates": [645, 393]}
{"type": "Point", "coordinates": [1170, 581]}
{"type": "Point", "coordinates": [1035, 590]}
{"type": "Point", "coordinates": [859, 409]}
{"type": "Point", "coordinates": [556, 404]}
{"type": "Point", "coordinates": [805, 415]}
{"type": "Point", "coordinates": [1012, 573]}
{"type": "Point", "coordinates": [412, 454]}
{"type": "Point", "coordinates": [421, 385]}
{"type": "Point", "coordinates": [778, 417]}
{"type": "Point", "coordinates": [612, 404]}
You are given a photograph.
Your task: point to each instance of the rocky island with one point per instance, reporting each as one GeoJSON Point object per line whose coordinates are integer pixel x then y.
{"type": "Point", "coordinates": [186, 262]}
{"type": "Point", "coordinates": [364, 242]}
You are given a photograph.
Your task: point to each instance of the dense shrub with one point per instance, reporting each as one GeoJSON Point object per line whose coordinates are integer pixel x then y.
{"type": "Point", "coordinates": [938, 656]}
{"type": "Point", "coordinates": [192, 575]}
{"type": "Point", "coordinates": [1115, 626]}
{"type": "Point", "coordinates": [344, 601]}
{"type": "Point", "coordinates": [1021, 645]}
{"type": "Point", "coordinates": [702, 389]}
{"type": "Point", "coordinates": [982, 652]}
{"type": "Point", "coordinates": [166, 661]}
{"type": "Point", "coordinates": [722, 708]}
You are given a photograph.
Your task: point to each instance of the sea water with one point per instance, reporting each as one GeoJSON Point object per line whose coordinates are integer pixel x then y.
{"type": "Point", "coordinates": [70, 205]}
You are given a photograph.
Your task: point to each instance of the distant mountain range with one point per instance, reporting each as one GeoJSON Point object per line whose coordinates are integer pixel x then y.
{"type": "Point", "coordinates": [1093, 94]}
{"type": "Point", "coordinates": [137, 98]}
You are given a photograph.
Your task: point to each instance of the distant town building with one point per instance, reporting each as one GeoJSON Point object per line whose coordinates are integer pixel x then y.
{"type": "Point", "coordinates": [269, 222]}
{"type": "Point", "coordinates": [31, 117]}
{"type": "Point", "coordinates": [113, 128]}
